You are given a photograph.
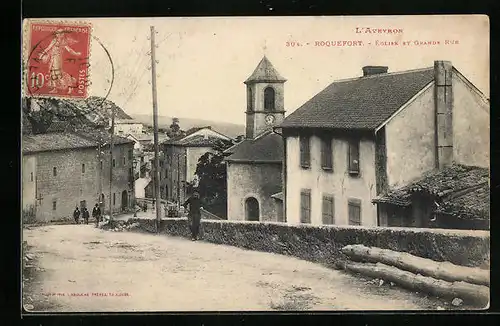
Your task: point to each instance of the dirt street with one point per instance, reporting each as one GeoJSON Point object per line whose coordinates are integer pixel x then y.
{"type": "Point", "coordinates": [92, 270]}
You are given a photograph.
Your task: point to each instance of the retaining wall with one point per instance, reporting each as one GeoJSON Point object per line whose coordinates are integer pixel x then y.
{"type": "Point", "coordinates": [322, 244]}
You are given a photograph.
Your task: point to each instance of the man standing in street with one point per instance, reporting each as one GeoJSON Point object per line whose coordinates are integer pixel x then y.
{"type": "Point", "coordinates": [194, 215]}
{"type": "Point", "coordinates": [76, 214]}
{"type": "Point", "coordinates": [85, 214]}
{"type": "Point", "coordinates": [96, 213]}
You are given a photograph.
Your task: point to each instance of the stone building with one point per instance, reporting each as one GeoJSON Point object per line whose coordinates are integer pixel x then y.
{"type": "Point", "coordinates": [62, 170]}
{"type": "Point", "coordinates": [180, 159]}
{"type": "Point", "coordinates": [124, 127]}
{"type": "Point", "coordinates": [254, 166]}
{"type": "Point", "coordinates": [455, 197]}
{"type": "Point", "coordinates": [361, 137]}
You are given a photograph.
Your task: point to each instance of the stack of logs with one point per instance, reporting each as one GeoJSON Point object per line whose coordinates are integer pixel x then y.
{"type": "Point", "coordinates": [441, 279]}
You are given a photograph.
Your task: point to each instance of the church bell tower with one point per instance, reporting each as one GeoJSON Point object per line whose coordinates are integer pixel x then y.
{"type": "Point", "coordinates": [265, 99]}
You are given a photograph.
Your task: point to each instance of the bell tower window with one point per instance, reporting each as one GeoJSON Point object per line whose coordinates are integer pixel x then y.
{"type": "Point", "coordinates": [269, 97]}
{"type": "Point", "coordinates": [249, 99]}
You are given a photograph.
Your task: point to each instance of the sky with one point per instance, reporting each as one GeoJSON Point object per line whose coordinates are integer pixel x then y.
{"type": "Point", "coordinates": [202, 62]}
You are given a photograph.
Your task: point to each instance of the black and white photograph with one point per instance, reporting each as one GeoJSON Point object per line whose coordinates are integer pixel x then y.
{"type": "Point", "coordinates": [227, 164]}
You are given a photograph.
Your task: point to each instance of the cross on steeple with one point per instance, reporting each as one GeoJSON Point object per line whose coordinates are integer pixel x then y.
{"type": "Point", "coordinates": [264, 48]}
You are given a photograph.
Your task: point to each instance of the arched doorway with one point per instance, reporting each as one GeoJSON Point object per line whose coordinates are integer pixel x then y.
{"type": "Point", "coordinates": [124, 200]}
{"type": "Point", "coordinates": [251, 209]}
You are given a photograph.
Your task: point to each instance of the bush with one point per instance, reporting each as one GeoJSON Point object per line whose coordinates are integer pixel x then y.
{"type": "Point", "coordinates": [29, 215]}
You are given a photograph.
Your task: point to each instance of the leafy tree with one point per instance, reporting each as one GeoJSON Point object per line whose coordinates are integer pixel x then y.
{"type": "Point", "coordinates": [175, 129]}
{"type": "Point", "coordinates": [211, 172]}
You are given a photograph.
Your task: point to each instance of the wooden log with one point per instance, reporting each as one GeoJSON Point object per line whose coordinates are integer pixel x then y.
{"type": "Point", "coordinates": [418, 265]}
{"type": "Point", "coordinates": [471, 293]}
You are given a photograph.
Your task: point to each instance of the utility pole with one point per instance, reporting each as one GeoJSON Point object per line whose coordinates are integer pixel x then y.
{"type": "Point", "coordinates": [111, 145]}
{"type": "Point", "coordinates": [156, 177]}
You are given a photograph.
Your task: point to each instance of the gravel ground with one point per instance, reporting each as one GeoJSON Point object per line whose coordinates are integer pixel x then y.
{"type": "Point", "coordinates": [79, 268]}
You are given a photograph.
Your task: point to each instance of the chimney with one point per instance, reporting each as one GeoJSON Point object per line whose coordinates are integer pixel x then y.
{"type": "Point", "coordinates": [374, 70]}
{"type": "Point", "coordinates": [443, 101]}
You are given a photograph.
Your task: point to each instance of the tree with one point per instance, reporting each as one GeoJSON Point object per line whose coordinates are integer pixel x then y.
{"type": "Point", "coordinates": [211, 172]}
{"type": "Point", "coordinates": [174, 129]}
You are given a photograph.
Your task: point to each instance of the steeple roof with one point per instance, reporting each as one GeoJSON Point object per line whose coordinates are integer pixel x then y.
{"type": "Point", "coordinates": [265, 72]}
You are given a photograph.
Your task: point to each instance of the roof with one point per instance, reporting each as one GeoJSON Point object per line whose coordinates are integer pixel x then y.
{"type": "Point", "coordinates": [278, 196]}
{"type": "Point", "coordinates": [267, 147]}
{"type": "Point", "coordinates": [188, 132]}
{"type": "Point", "coordinates": [142, 137]}
{"type": "Point", "coordinates": [461, 190]}
{"type": "Point", "coordinates": [196, 141]}
{"type": "Point", "coordinates": [53, 141]}
{"type": "Point", "coordinates": [127, 121]}
{"type": "Point", "coordinates": [360, 103]}
{"type": "Point", "coordinates": [265, 72]}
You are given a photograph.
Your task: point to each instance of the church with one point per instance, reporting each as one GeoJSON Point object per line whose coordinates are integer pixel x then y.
{"type": "Point", "coordinates": [254, 166]}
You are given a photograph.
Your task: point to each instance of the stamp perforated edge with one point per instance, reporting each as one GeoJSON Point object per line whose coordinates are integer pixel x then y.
{"type": "Point", "coordinates": [26, 42]}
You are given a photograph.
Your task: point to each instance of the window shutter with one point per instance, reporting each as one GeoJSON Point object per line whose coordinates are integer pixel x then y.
{"type": "Point", "coordinates": [354, 212]}
{"type": "Point", "coordinates": [354, 156]}
{"type": "Point", "coordinates": [305, 155]}
{"type": "Point", "coordinates": [326, 153]}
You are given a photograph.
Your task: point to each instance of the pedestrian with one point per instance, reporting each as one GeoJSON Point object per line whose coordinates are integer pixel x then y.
{"type": "Point", "coordinates": [86, 215]}
{"type": "Point", "coordinates": [194, 215]}
{"type": "Point", "coordinates": [96, 212]}
{"type": "Point", "coordinates": [76, 214]}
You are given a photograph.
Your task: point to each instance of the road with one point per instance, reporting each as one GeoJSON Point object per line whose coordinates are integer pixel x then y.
{"type": "Point", "coordinates": [92, 270]}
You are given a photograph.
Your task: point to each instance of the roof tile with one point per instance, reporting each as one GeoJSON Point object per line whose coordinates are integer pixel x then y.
{"type": "Point", "coordinates": [265, 72]}
{"type": "Point", "coordinates": [267, 147]}
{"type": "Point", "coordinates": [360, 103]}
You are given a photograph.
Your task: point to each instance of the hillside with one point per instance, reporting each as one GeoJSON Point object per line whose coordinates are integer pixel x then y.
{"type": "Point", "coordinates": [94, 112]}
{"type": "Point", "coordinates": [230, 129]}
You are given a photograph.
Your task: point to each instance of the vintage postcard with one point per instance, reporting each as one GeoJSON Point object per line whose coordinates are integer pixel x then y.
{"type": "Point", "coordinates": [255, 164]}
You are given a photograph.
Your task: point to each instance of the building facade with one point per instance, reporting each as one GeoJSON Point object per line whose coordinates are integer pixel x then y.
{"type": "Point", "coordinates": [124, 127]}
{"type": "Point", "coordinates": [361, 137]}
{"type": "Point", "coordinates": [180, 159]}
{"type": "Point", "coordinates": [254, 166]}
{"type": "Point", "coordinates": [63, 170]}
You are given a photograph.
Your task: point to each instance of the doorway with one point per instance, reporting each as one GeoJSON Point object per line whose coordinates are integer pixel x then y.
{"type": "Point", "coordinates": [124, 200]}
{"type": "Point", "coordinates": [252, 209]}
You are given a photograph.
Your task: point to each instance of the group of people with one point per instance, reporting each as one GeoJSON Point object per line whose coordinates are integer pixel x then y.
{"type": "Point", "coordinates": [194, 214]}
{"type": "Point", "coordinates": [84, 213]}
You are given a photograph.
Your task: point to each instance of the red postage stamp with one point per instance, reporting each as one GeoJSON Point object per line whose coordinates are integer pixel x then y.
{"type": "Point", "coordinates": [58, 62]}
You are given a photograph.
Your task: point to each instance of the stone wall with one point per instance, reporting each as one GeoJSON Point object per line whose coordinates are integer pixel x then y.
{"type": "Point", "coordinates": [322, 244]}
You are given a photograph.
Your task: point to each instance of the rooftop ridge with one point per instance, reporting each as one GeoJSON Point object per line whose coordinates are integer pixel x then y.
{"type": "Point", "coordinates": [380, 75]}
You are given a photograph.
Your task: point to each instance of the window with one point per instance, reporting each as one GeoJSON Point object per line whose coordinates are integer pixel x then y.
{"type": "Point", "coordinates": [83, 167]}
{"type": "Point", "coordinates": [130, 154]}
{"type": "Point", "coordinates": [354, 157]}
{"type": "Point", "coordinates": [305, 152]}
{"type": "Point", "coordinates": [354, 208]}
{"type": "Point", "coordinates": [328, 210]}
{"type": "Point", "coordinates": [114, 163]}
{"type": "Point", "coordinates": [31, 176]}
{"type": "Point", "coordinates": [54, 171]}
{"type": "Point", "coordinates": [114, 199]}
{"type": "Point", "coordinates": [269, 99]}
{"type": "Point", "coordinates": [101, 165]}
{"type": "Point", "coordinates": [249, 99]}
{"type": "Point", "coordinates": [142, 159]}
{"type": "Point", "coordinates": [54, 205]}
{"type": "Point", "coordinates": [305, 206]}
{"type": "Point", "coordinates": [124, 161]}
{"type": "Point", "coordinates": [326, 153]}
